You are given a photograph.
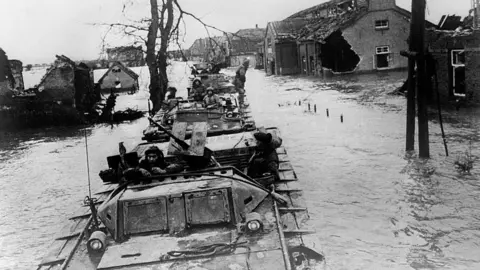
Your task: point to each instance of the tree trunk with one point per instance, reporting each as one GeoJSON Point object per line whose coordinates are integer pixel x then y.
{"type": "Point", "coordinates": [154, 87]}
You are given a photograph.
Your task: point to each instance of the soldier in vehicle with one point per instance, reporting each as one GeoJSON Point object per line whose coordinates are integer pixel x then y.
{"type": "Point", "coordinates": [154, 163]}
{"type": "Point", "coordinates": [198, 90]}
{"type": "Point", "coordinates": [211, 100]}
{"type": "Point", "coordinates": [265, 159]}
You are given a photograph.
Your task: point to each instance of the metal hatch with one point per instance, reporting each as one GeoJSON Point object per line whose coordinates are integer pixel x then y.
{"type": "Point", "coordinates": [144, 216]}
{"type": "Point", "coordinates": [207, 207]}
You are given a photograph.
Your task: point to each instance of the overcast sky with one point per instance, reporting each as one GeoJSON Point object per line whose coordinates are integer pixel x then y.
{"type": "Point", "coordinates": [33, 31]}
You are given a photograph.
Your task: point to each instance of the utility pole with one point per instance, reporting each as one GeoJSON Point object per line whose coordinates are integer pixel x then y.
{"type": "Point", "coordinates": [418, 25]}
{"type": "Point", "coordinates": [410, 139]}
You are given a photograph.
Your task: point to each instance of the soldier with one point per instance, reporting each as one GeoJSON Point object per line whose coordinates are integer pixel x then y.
{"type": "Point", "coordinates": [198, 90]}
{"type": "Point", "coordinates": [265, 159]}
{"type": "Point", "coordinates": [211, 100]}
{"type": "Point", "coordinates": [154, 163]}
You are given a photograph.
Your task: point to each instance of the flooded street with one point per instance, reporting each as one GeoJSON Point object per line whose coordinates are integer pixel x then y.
{"type": "Point", "coordinates": [372, 207]}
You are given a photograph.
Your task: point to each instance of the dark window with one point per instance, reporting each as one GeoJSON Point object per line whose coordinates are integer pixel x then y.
{"type": "Point", "coordinates": [382, 57]}
{"type": "Point", "coordinates": [381, 24]}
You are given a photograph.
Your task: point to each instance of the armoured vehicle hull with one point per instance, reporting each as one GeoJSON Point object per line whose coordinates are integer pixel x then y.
{"type": "Point", "coordinates": [216, 218]}
{"type": "Point", "coordinates": [221, 120]}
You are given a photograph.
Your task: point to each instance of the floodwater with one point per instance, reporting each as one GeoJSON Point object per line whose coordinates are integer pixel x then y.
{"type": "Point", "coordinates": [372, 206]}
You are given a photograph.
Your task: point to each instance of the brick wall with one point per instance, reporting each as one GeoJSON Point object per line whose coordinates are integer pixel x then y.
{"type": "Point", "coordinates": [364, 38]}
{"type": "Point", "coordinates": [472, 78]}
{"type": "Point", "coordinates": [442, 63]}
{"type": "Point", "coordinates": [381, 4]}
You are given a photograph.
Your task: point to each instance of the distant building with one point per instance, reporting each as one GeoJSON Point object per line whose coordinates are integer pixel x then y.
{"type": "Point", "coordinates": [243, 45]}
{"type": "Point", "coordinates": [130, 56]}
{"type": "Point", "coordinates": [118, 78]}
{"type": "Point", "coordinates": [210, 49]}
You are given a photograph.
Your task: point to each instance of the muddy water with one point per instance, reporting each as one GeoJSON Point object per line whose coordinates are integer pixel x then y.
{"type": "Point", "coordinates": [373, 208]}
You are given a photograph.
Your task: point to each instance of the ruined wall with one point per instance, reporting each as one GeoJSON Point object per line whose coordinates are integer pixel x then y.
{"type": "Point", "coordinates": [58, 84]}
{"type": "Point", "coordinates": [6, 78]}
{"type": "Point", "coordinates": [17, 72]}
{"type": "Point", "coordinates": [364, 38]}
{"type": "Point", "coordinates": [117, 74]}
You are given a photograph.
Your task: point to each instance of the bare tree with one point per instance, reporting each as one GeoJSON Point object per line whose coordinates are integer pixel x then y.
{"type": "Point", "coordinates": [161, 28]}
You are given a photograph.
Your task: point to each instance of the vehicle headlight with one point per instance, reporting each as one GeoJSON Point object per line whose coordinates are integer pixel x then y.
{"type": "Point", "coordinates": [254, 225]}
{"type": "Point", "coordinates": [253, 222]}
{"type": "Point", "coordinates": [97, 242]}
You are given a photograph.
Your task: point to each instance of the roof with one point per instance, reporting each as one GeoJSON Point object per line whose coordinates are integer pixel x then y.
{"type": "Point", "coordinates": [324, 27]}
{"type": "Point", "coordinates": [252, 33]}
{"type": "Point", "coordinates": [288, 28]}
{"type": "Point", "coordinates": [130, 72]}
{"type": "Point", "coordinates": [124, 48]}
{"type": "Point", "coordinates": [317, 7]}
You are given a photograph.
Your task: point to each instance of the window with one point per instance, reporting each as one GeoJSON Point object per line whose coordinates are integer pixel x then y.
{"type": "Point", "coordinates": [382, 57]}
{"type": "Point", "coordinates": [458, 58]}
{"type": "Point", "coordinates": [458, 65]}
{"type": "Point", "coordinates": [381, 24]}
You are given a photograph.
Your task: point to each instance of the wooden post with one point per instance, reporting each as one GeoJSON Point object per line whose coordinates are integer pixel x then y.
{"type": "Point", "coordinates": [418, 35]}
{"type": "Point", "coordinates": [410, 140]}
{"type": "Point", "coordinates": [411, 112]}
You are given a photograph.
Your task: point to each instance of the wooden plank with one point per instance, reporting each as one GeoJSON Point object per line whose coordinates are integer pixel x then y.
{"type": "Point", "coordinates": [199, 138]}
{"type": "Point", "coordinates": [283, 158]}
{"type": "Point", "coordinates": [179, 130]}
{"type": "Point", "coordinates": [285, 166]}
{"type": "Point", "coordinates": [288, 221]}
{"type": "Point", "coordinates": [299, 231]}
{"type": "Point", "coordinates": [291, 209]}
{"type": "Point", "coordinates": [287, 176]}
{"type": "Point", "coordinates": [66, 237]}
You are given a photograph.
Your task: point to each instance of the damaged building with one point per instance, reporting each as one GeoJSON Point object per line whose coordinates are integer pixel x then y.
{"type": "Point", "coordinates": [457, 59]}
{"type": "Point", "coordinates": [16, 66]}
{"type": "Point", "coordinates": [130, 56]}
{"type": "Point", "coordinates": [68, 84]}
{"type": "Point", "coordinates": [344, 36]}
{"type": "Point", "coordinates": [7, 80]}
{"type": "Point", "coordinates": [281, 52]}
